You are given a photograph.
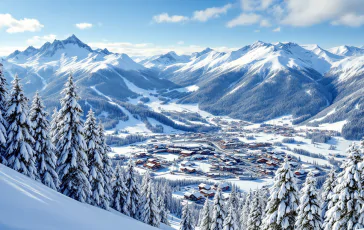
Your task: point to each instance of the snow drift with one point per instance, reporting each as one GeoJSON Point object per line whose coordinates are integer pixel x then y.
{"type": "Point", "coordinates": [27, 204]}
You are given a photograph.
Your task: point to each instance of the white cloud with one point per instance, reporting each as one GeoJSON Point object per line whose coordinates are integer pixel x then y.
{"type": "Point", "coordinates": [278, 29]}
{"type": "Point", "coordinates": [255, 5]}
{"type": "Point", "coordinates": [265, 23]}
{"type": "Point", "coordinates": [18, 26]}
{"type": "Point", "coordinates": [213, 12]}
{"type": "Point", "coordinates": [6, 50]}
{"type": "Point", "coordinates": [40, 40]}
{"type": "Point", "coordinates": [84, 25]}
{"type": "Point", "coordinates": [311, 12]}
{"type": "Point", "coordinates": [352, 20]}
{"type": "Point", "coordinates": [244, 19]}
{"type": "Point", "coordinates": [164, 17]}
{"type": "Point", "coordinates": [180, 42]}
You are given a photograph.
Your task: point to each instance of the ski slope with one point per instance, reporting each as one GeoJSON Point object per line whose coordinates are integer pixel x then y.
{"type": "Point", "coordinates": [27, 204]}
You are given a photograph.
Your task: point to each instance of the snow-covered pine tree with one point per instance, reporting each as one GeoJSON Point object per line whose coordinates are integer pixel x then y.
{"type": "Point", "coordinates": [205, 220]}
{"type": "Point", "coordinates": [54, 127]}
{"type": "Point", "coordinates": [150, 212]}
{"type": "Point", "coordinates": [119, 191]}
{"type": "Point", "coordinates": [186, 220]}
{"type": "Point", "coordinates": [72, 162]}
{"type": "Point", "coordinates": [19, 152]}
{"type": "Point", "coordinates": [3, 122]}
{"type": "Point", "coordinates": [309, 213]}
{"type": "Point", "coordinates": [255, 215]}
{"type": "Point", "coordinates": [3, 138]}
{"type": "Point", "coordinates": [231, 221]}
{"type": "Point", "coordinates": [233, 199]}
{"type": "Point", "coordinates": [246, 210]}
{"type": "Point", "coordinates": [327, 192]}
{"type": "Point", "coordinates": [218, 214]}
{"type": "Point", "coordinates": [132, 192]}
{"type": "Point", "coordinates": [282, 204]}
{"type": "Point", "coordinates": [163, 212]}
{"type": "Point", "coordinates": [347, 212]}
{"type": "Point", "coordinates": [263, 197]}
{"type": "Point", "coordinates": [108, 170]}
{"type": "Point", "coordinates": [95, 164]}
{"type": "Point", "coordinates": [43, 148]}
{"type": "Point", "coordinates": [143, 195]}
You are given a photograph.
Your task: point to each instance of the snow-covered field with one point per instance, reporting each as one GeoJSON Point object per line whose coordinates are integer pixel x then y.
{"type": "Point", "coordinates": [27, 204]}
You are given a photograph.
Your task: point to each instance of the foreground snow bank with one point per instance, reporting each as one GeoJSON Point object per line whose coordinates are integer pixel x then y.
{"type": "Point", "coordinates": [27, 204]}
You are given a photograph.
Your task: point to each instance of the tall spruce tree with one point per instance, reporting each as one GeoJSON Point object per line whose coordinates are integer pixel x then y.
{"type": "Point", "coordinates": [218, 214]}
{"type": "Point", "coordinates": [231, 221]}
{"type": "Point", "coordinates": [186, 220]}
{"type": "Point", "coordinates": [3, 122]}
{"type": "Point", "coordinates": [119, 191]}
{"type": "Point", "coordinates": [163, 210]}
{"type": "Point", "coordinates": [54, 127]}
{"type": "Point", "coordinates": [108, 170]}
{"type": "Point", "coordinates": [95, 164]}
{"type": "Point", "coordinates": [327, 192]}
{"type": "Point", "coordinates": [132, 191]}
{"type": "Point", "coordinates": [346, 211]}
{"type": "Point", "coordinates": [72, 162]}
{"type": "Point", "coordinates": [205, 220]}
{"type": "Point", "coordinates": [143, 194]}
{"type": "Point", "coordinates": [309, 213]}
{"type": "Point", "coordinates": [282, 204]}
{"type": "Point", "coordinates": [19, 152]}
{"type": "Point", "coordinates": [255, 216]}
{"type": "Point", "coordinates": [43, 148]}
{"type": "Point", "coordinates": [150, 212]}
{"type": "Point", "coordinates": [246, 210]}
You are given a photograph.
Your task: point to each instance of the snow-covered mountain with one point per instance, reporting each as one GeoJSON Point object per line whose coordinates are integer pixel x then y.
{"type": "Point", "coordinates": [43, 208]}
{"type": "Point", "coordinates": [257, 82]}
{"type": "Point", "coordinates": [263, 80]}
{"type": "Point", "coordinates": [347, 51]}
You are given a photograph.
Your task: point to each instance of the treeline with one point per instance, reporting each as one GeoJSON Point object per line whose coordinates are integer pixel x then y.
{"type": "Point", "coordinates": [121, 141]}
{"type": "Point", "coordinates": [338, 205]}
{"type": "Point", "coordinates": [71, 157]}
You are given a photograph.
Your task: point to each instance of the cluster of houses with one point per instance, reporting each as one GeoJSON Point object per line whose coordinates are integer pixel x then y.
{"type": "Point", "coordinates": [205, 191]}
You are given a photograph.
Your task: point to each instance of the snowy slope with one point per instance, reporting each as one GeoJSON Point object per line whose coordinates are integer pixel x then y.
{"type": "Point", "coordinates": [347, 51]}
{"type": "Point", "coordinates": [27, 204]}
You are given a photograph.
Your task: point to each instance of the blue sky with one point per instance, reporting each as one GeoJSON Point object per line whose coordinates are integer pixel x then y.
{"type": "Point", "coordinates": [143, 27]}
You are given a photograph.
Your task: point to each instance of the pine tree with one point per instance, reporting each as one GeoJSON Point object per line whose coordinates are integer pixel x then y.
{"type": "Point", "coordinates": [72, 162]}
{"type": "Point", "coordinates": [309, 216]}
{"type": "Point", "coordinates": [233, 199]}
{"type": "Point", "coordinates": [132, 196]}
{"type": "Point", "coordinates": [218, 214]}
{"type": "Point", "coordinates": [282, 204]}
{"type": "Point", "coordinates": [19, 152]}
{"type": "Point", "coordinates": [231, 221]}
{"type": "Point", "coordinates": [186, 220]}
{"type": "Point", "coordinates": [143, 195]}
{"type": "Point", "coordinates": [95, 165]}
{"type": "Point", "coordinates": [346, 211]}
{"type": "Point", "coordinates": [255, 215]}
{"type": "Point", "coordinates": [205, 220]}
{"type": "Point", "coordinates": [54, 127]}
{"type": "Point", "coordinates": [246, 210]}
{"type": "Point", "coordinates": [43, 147]}
{"type": "Point", "coordinates": [108, 170]}
{"type": "Point", "coordinates": [3, 122]}
{"type": "Point", "coordinates": [163, 211]}
{"type": "Point", "coordinates": [119, 191]}
{"type": "Point", "coordinates": [150, 213]}
{"type": "Point", "coordinates": [327, 192]}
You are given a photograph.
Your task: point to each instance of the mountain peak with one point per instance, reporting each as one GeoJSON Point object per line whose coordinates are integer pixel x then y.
{"type": "Point", "coordinates": [259, 44]}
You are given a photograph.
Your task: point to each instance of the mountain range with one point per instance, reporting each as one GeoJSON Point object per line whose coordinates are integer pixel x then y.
{"type": "Point", "coordinates": [258, 82]}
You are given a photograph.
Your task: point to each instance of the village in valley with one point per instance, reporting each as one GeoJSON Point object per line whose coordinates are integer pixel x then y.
{"type": "Point", "coordinates": [241, 154]}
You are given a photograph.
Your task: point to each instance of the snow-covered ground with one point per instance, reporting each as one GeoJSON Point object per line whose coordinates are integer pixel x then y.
{"type": "Point", "coordinates": [27, 204]}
